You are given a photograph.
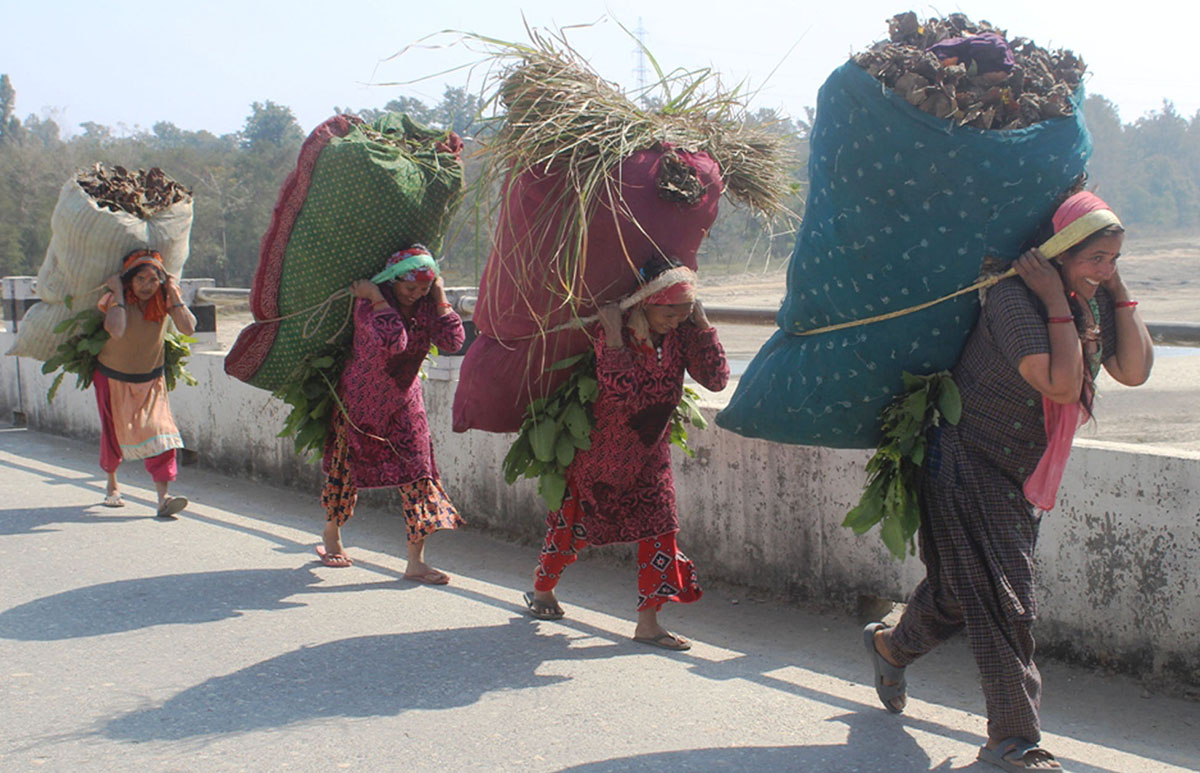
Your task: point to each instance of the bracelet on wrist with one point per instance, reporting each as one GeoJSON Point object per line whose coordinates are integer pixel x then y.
{"type": "Point", "coordinates": [177, 305]}
{"type": "Point", "coordinates": [1125, 304]}
{"type": "Point", "coordinates": [1056, 320]}
{"type": "Point", "coordinates": [444, 305]}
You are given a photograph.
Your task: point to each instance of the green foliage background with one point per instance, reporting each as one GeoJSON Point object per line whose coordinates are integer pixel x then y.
{"type": "Point", "coordinates": [1149, 170]}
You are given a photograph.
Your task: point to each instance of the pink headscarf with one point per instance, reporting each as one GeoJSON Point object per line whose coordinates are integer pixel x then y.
{"type": "Point", "coordinates": [1076, 207]}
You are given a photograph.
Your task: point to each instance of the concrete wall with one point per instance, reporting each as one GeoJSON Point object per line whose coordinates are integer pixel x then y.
{"type": "Point", "coordinates": [1119, 558]}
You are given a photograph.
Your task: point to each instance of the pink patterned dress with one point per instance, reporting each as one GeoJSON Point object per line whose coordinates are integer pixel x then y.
{"type": "Point", "coordinates": [622, 488]}
{"type": "Point", "coordinates": [383, 438]}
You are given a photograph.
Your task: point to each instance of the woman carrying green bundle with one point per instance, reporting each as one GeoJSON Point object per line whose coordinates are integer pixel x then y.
{"type": "Point", "coordinates": [1027, 378]}
{"type": "Point", "coordinates": [379, 436]}
{"type": "Point", "coordinates": [131, 390]}
{"type": "Point", "coordinates": [621, 489]}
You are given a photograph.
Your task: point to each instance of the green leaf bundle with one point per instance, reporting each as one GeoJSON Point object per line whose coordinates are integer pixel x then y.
{"type": "Point", "coordinates": [312, 392]}
{"type": "Point", "coordinates": [890, 497]}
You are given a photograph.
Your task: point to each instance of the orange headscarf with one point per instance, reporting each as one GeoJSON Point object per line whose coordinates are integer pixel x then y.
{"type": "Point", "coordinates": [155, 309]}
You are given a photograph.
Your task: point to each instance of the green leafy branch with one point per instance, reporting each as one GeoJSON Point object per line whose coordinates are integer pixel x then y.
{"type": "Point", "coordinates": [312, 393]}
{"type": "Point", "coordinates": [686, 413]}
{"type": "Point", "coordinates": [890, 497]}
{"type": "Point", "coordinates": [177, 348]}
{"type": "Point", "coordinates": [78, 354]}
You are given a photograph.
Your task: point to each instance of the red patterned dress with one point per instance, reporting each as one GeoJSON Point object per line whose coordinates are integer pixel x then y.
{"type": "Point", "coordinates": [622, 489]}
{"type": "Point", "coordinates": [383, 438]}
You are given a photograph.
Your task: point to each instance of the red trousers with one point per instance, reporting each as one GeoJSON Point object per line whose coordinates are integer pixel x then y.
{"type": "Point", "coordinates": [664, 572]}
{"type": "Point", "coordinates": [162, 468]}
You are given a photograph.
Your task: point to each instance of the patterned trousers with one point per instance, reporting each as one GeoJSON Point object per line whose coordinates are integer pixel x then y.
{"type": "Point", "coordinates": [426, 506]}
{"type": "Point", "coordinates": [664, 572]}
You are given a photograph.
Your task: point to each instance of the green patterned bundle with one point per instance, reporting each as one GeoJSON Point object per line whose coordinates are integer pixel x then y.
{"type": "Point", "coordinates": [360, 192]}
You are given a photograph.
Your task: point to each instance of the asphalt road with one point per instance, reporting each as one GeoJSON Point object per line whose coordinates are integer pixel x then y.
{"type": "Point", "coordinates": [216, 642]}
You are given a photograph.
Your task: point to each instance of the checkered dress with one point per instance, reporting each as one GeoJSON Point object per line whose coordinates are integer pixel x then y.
{"type": "Point", "coordinates": [977, 531]}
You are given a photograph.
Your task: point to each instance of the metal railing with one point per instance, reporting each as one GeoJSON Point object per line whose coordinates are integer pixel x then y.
{"type": "Point", "coordinates": [1163, 333]}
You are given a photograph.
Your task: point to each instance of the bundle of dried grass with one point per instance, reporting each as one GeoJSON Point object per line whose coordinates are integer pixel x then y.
{"type": "Point", "coordinates": [1039, 85]}
{"type": "Point", "coordinates": [560, 115]}
{"type": "Point", "coordinates": [556, 116]}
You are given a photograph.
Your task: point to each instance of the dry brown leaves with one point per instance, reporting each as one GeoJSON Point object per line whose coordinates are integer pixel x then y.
{"type": "Point", "coordinates": [140, 192]}
{"type": "Point", "coordinates": [1039, 87]}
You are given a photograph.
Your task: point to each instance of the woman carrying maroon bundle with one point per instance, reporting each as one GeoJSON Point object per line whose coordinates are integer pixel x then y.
{"type": "Point", "coordinates": [379, 436]}
{"type": "Point", "coordinates": [621, 488]}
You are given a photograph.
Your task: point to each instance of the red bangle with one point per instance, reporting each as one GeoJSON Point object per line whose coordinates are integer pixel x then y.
{"type": "Point", "coordinates": [1053, 320]}
{"type": "Point", "coordinates": [445, 305]}
{"type": "Point", "coordinates": [1125, 304]}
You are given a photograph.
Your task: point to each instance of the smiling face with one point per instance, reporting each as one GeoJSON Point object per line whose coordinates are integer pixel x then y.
{"type": "Point", "coordinates": [1089, 266]}
{"type": "Point", "coordinates": [662, 319]}
{"type": "Point", "coordinates": [145, 283]}
{"type": "Point", "coordinates": [409, 292]}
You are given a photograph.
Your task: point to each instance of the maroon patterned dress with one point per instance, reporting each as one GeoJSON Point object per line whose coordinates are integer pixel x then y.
{"type": "Point", "coordinates": [622, 489]}
{"type": "Point", "coordinates": [382, 439]}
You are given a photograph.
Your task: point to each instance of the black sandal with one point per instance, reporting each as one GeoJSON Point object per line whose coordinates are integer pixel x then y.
{"type": "Point", "coordinates": [541, 610]}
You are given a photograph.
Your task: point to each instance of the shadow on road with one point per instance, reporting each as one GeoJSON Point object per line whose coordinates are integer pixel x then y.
{"type": "Point", "coordinates": [365, 676]}
{"type": "Point", "coordinates": [860, 751]}
{"type": "Point", "coordinates": [40, 519]}
{"type": "Point", "coordinates": [128, 605]}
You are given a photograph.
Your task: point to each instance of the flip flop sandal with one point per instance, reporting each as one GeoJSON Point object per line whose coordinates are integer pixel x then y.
{"type": "Point", "coordinates": [1010, 754]}
{"type": "Point", "coordinates": [887, 693]}
{"type": "Point", "coordinates": [170, 506]}
{"type": "Point", "coordinates": [432, 577]}
{"type": "Point", "coordinates": [336, 560]}
{"type": "Point", "coordinates": [667, 641]}
{"type": "Point", "coordinates": [541, 610]}
{"type": "Point", "coordinates": [114, 500]}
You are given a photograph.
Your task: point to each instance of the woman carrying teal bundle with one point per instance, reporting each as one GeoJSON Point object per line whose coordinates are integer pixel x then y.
{"type": "Point", "coordinates": [1027, 378]}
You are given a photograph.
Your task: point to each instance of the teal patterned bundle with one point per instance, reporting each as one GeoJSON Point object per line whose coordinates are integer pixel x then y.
{"type": "Point", "coordinates": [903, 209]}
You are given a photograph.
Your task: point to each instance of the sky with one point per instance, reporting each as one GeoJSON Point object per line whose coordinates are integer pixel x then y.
{"type": "Point", "coordinates": [201, 65]}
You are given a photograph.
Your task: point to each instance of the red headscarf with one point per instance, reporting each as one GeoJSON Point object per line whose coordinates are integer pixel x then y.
{"type": "Point", "coordinates": [155, 309]}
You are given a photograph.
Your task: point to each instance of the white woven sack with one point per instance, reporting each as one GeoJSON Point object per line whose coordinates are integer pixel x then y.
{"type": "Point", "coordinates": [88, 244]}
{"type": "Point", "coordinates": [35, 332]}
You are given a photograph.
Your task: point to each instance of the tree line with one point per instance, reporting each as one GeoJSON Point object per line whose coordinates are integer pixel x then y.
{"type": "Point", "coordinates": [1149, 170]}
